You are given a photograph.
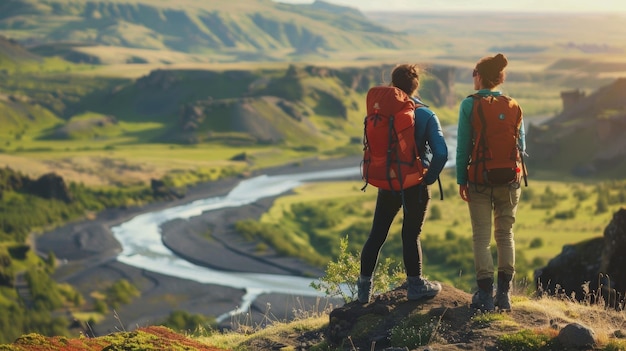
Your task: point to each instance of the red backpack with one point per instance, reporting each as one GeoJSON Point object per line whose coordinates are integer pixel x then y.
{"type": "Point", "coordinates": [496, 158]}
{"type": "Point", "coordinates": [390, 159]}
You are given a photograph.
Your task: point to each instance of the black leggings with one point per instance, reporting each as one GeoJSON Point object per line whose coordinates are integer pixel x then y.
{"type": "Point", "coordinates": [388, 204]}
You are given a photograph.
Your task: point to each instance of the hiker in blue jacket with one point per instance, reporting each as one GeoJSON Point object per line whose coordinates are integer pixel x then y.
{"type": "Point", "coordinates": [489, 204]}
{"type": "Point", "coordinates": [434, 151]}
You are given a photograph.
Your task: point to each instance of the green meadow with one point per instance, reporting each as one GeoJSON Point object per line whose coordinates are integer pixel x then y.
{"type": "Point", "coordinates": [551, 214]}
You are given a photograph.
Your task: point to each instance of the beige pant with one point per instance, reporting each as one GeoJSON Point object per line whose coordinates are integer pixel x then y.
{"type": "Point", "coordinates": [501, 202]}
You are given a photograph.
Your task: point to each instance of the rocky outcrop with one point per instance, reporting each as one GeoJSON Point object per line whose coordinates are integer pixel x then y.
{"type": "Point", "coordinates": [599, 119]}
{"type": "Point", "coordinates": [613, 257]}
{"type": "Point", "coordinates": [442, 91]}
{"type": "Point", "coordinates": [365, 325]}
{"type": "Point", "coordinates": [592, 270]}
{"type": "Point", "coordinates": [48, 186]}
{"type": "Point", "coordinates": [571, 97]}
{"type": "Point", "coordinates": [161, 191]}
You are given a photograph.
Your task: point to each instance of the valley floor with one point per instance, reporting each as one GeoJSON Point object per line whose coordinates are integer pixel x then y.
{"type": "Point", "coordinates": [87, 252]}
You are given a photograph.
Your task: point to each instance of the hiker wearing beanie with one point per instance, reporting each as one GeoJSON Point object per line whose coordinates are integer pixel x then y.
{"type": "Point", "coordinates": [489, 166]}
{"type": "Point", "coordinates": [413, 199]}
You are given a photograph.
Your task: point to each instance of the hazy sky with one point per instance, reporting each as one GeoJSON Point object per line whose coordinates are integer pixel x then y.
{"type": "Point", "coordinates": [538, 6]}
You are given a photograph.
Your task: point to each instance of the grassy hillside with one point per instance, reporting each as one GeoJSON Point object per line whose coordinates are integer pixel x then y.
{"type": "Point", "coordinates": [12, 52]}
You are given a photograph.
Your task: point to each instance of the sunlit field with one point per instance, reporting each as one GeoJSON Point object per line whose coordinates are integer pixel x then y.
{"type": "Point", "coordinates": [550, 215]}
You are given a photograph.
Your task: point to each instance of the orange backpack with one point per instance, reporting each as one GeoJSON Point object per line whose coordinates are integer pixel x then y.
{"type": "Point", "coordinates": [390, 157]}
{"type": "Point", "coordinates": [496, 158]}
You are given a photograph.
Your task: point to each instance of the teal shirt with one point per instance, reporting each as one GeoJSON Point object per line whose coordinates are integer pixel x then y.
{"type": "Point", "coordinates": [464, 135]}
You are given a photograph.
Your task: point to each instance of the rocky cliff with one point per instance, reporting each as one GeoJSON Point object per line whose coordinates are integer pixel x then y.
{"type": "Point", "coordinates": [592, 270]}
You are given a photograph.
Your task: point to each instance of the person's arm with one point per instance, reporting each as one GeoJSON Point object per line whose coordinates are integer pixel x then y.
{"type": "Point", "coordinates": [438, 147]}
{"type": "Point", "coordinates": [464, 140]}
{"type": "Point", "coordinates": [522, 134]}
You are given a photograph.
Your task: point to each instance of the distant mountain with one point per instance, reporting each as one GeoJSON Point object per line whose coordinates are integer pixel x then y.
{"type": "Point", "coordinates": [266, 28]}
{"type": "Point", "coordinates": [589, 137]}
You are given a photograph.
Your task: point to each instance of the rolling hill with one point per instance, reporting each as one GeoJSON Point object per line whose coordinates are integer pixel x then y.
{"type": "Point", "coordinates": [295, 105]}
{"type": "Point", "coordinates": [11, 52]}
{"type": "Point", "coordinates": [299, 106]}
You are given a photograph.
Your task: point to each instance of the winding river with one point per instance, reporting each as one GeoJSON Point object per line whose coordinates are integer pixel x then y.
{"type": "Point", "coordinates": [142, 247]}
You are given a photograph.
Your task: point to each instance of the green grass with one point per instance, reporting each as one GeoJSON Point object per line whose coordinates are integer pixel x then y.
{"type": "Point", "coordinates": [538, 232]}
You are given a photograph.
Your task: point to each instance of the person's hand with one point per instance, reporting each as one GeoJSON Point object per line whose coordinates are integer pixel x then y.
{"type": "Point", "coordinates": [463, 191]}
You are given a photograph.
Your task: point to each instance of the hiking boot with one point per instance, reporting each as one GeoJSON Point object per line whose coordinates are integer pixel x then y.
{"type": "Point", "coordinates": [483, 298]}
{"type": "Point", "coordinates": [364, 286]}
{"type": "Point", "coordinates": [503, 291]}
{"type": "Point", "coordinates": [419, 288]}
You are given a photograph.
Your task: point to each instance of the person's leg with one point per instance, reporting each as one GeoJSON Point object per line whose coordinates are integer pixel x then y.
{"type": "Point", "coordinates": [506, 200]}
{"type": "Point", "coordinates": [387, 206]}
{"type": "Point", "coordinates": [416, 204]}
{"type": "Point", "coordinates": [480, 207]}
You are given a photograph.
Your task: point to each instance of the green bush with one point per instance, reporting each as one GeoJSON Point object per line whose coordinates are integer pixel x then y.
{"type": "Point", "coordinates": [183, 321]}
{"type": "Point", "coordinates": [536, 243]}
{"type": "Point", "coordinates": [121, 292]}
{"type": "Point", "coordinates": [435, 213]}
{"type": "Point", "coordinates": [341, 275]}
{"type": "Point", "coordinates": [568, 214]}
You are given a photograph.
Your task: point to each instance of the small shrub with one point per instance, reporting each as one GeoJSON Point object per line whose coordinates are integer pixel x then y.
{"type": "Point", "coordinates": [569, 214]}
{"type": "Point", "coordinates": [602, 204]}
{"type": "Point", "coordinates": [416, 331]}
{"type": "Point", "coordinates": [615, 345]}
{"type": "Point", "coordinates": [184, 321]}
{"type": "Point", "coordinates": [340, 277]}
{"type": "Point", "coordinates": [536, 243]}
{"type": "Point", "coordinates": [101, 307]}
{"type": "Point", "coordinates": [581, 194]}
{"type": "Point", "coordinates": [435, 213]}
{"type": "Point", "coordinates": [527, 195]}
{"type": "Point", "coordinates": [451, 235]}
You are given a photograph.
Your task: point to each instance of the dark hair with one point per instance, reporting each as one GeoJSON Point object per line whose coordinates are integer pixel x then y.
{"type": "Point", "coordinates": [406, 78]}
{"type": "Point", "coordinates": [491, 70]}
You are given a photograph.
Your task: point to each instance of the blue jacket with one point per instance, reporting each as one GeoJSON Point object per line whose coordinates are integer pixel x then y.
{"type": "Point", "coordinates": [430, 142]}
